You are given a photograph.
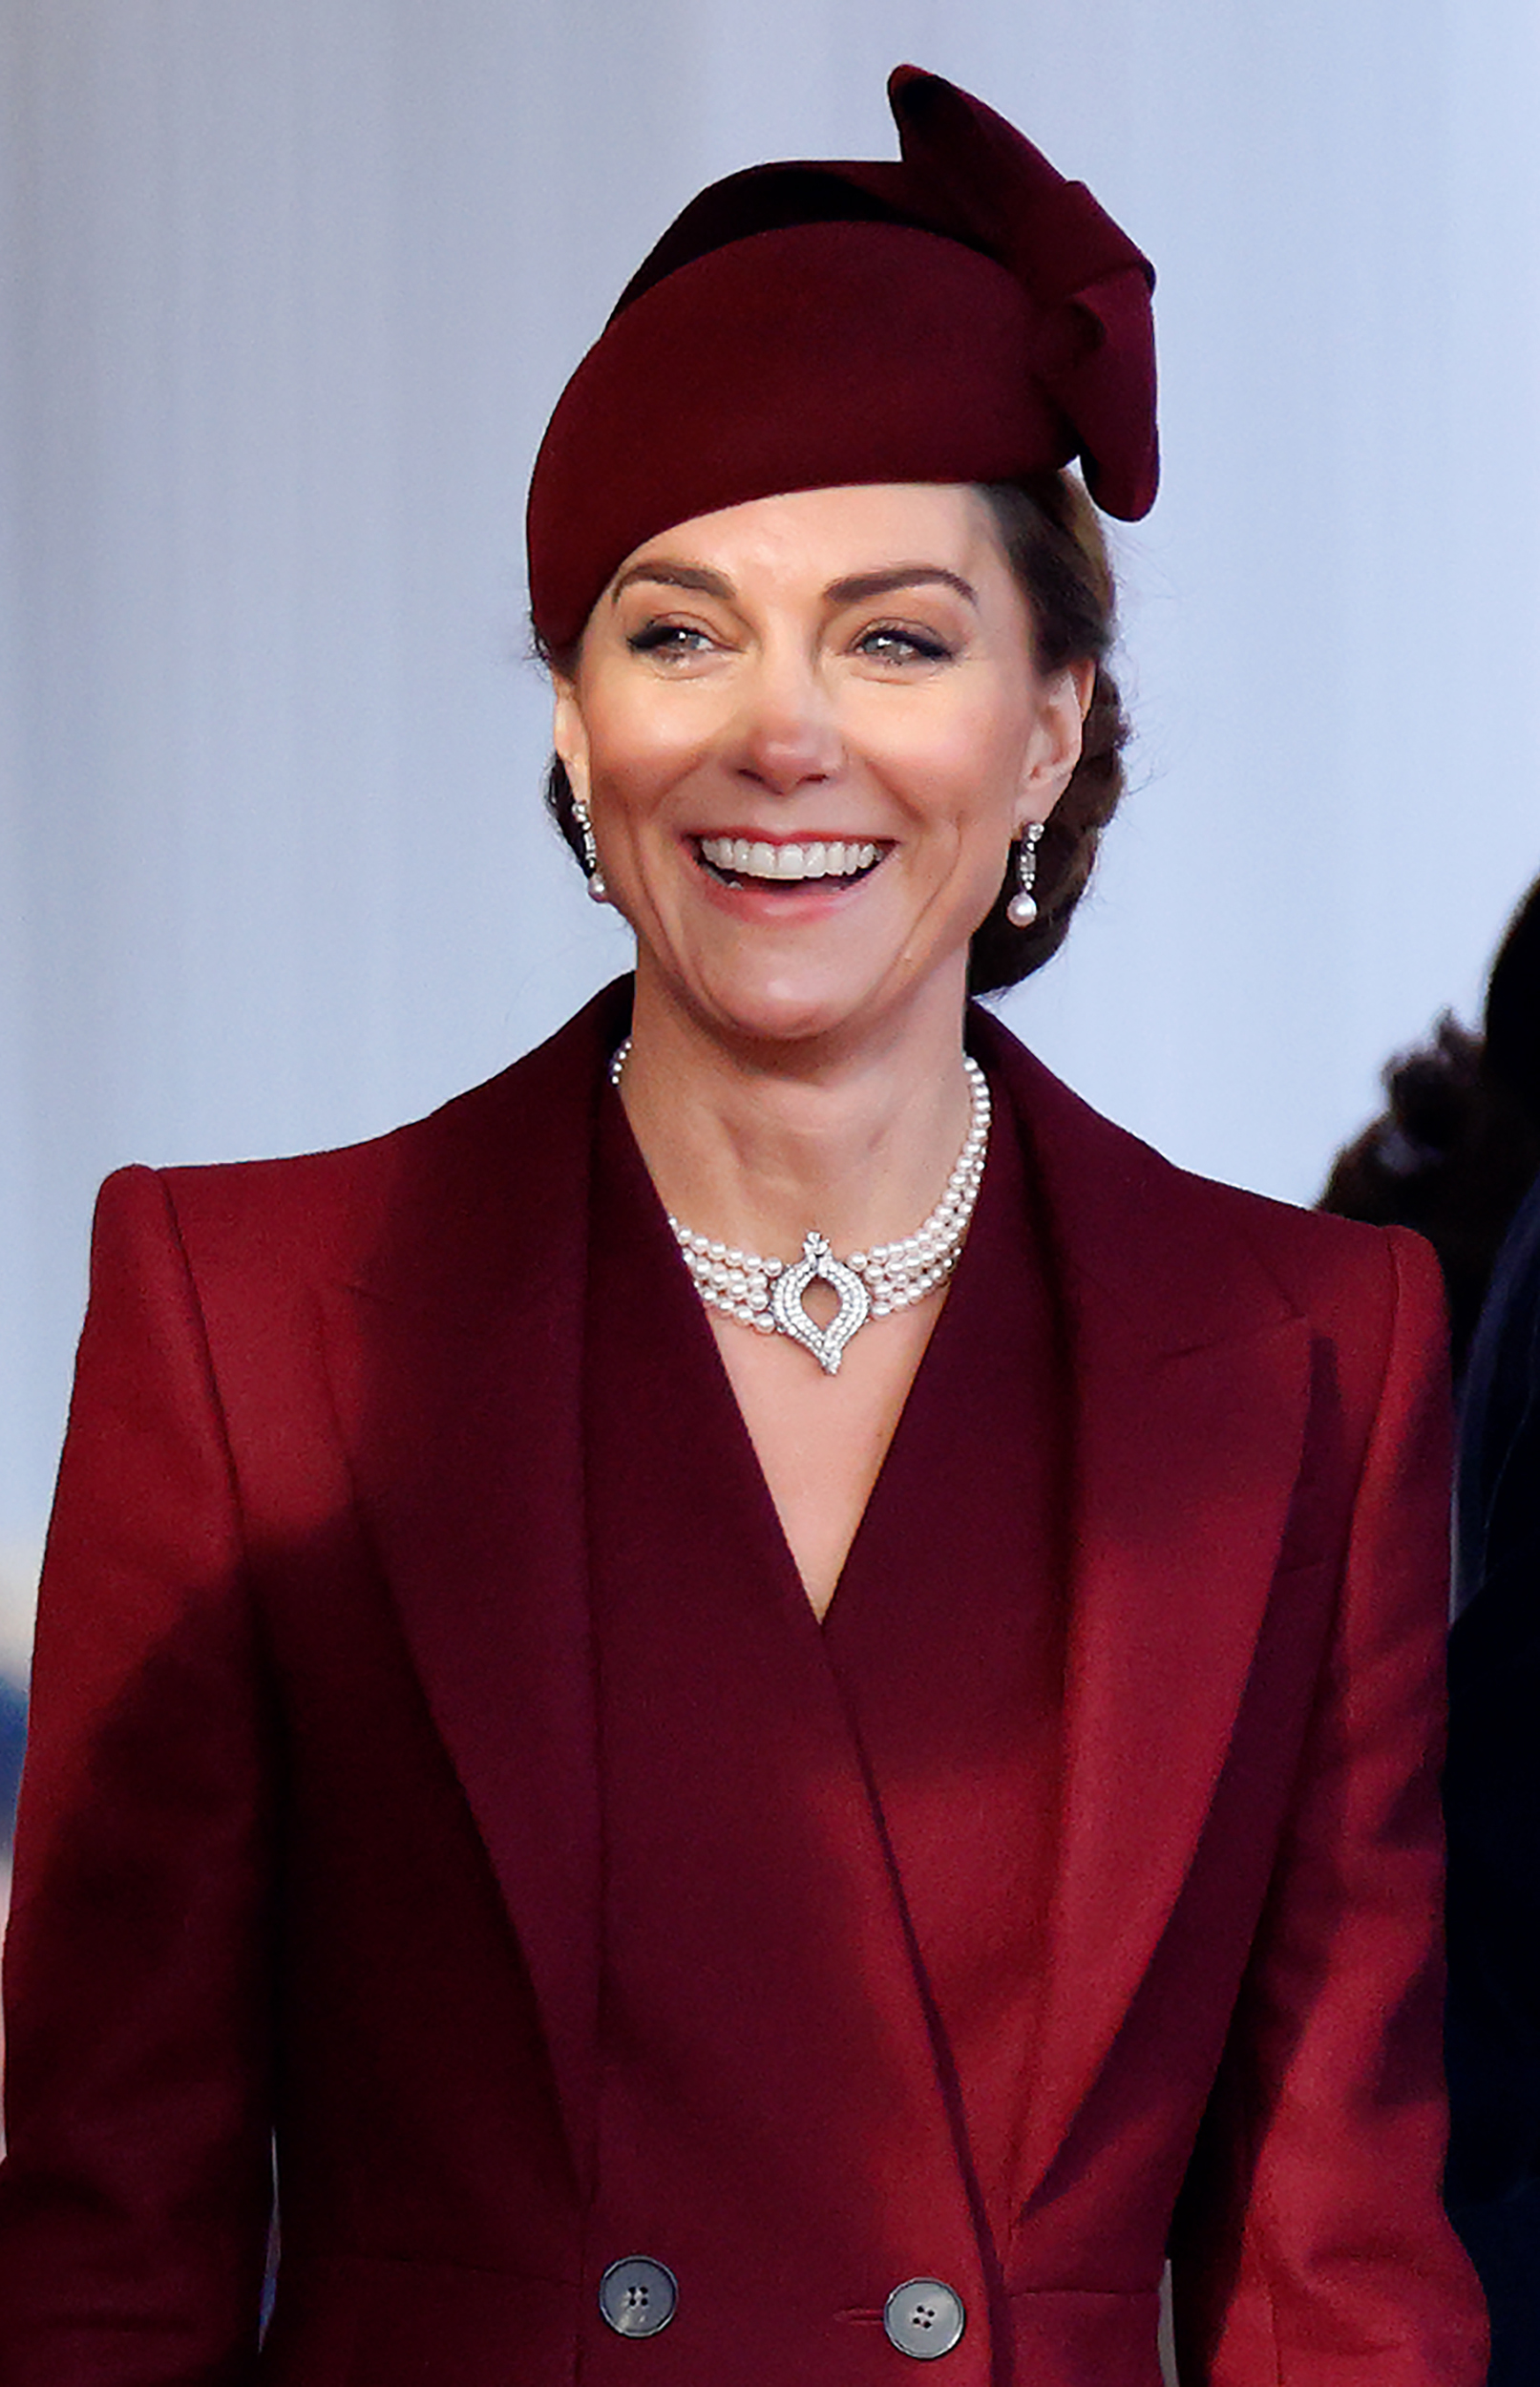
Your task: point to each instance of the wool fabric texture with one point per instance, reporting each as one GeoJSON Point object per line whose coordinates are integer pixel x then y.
{"type": "Point", "coordinates": [965, 314]}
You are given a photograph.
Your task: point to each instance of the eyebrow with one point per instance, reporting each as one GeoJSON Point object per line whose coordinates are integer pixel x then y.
{"type": "Point", "coordinates": [861, 586]}
{"type": "Point", "coordinates": [858, 588]}
{"type": "Point", "coordinates": [674, 576]}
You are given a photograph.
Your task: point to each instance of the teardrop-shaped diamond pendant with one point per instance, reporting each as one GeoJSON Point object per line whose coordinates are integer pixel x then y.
{"type": "Point", "coordinates": [819, 1266]}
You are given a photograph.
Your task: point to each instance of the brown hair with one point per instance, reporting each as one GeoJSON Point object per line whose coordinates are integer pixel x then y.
{"type": "Point", "coordinates": [1052, 537]}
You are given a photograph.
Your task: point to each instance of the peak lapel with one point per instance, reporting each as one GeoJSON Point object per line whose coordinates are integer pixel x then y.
{"type": "Point", "coordinates": [457, 1375]}
{"type": "Point", "coordinates": [1191, 1400]}
{"type": "Point", "coordinates": [1183, 1491]}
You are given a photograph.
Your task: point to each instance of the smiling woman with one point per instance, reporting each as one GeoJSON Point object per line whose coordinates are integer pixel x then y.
{"type": "Point", "coordinates": [763, 1688]}
{"type": "Point", "coordinates": [849, 672]}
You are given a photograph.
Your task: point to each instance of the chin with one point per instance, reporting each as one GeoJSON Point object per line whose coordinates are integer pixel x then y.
{"type": "Point", "coordinates": [790, 1010]}
{"type": "Point", "coordinates": [800, 1009]}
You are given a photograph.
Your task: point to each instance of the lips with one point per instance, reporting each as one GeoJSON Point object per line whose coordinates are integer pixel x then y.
{"type": "Point", "coordinates": [743, 861]}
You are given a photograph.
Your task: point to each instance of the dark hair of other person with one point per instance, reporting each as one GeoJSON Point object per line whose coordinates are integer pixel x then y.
{"type": "Point", "coordinates": [1053, 540]}
{"type": "Point", "coordinates": [1458, 1145]}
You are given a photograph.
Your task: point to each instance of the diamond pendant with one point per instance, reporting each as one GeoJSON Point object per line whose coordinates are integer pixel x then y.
{"type": "Point", "coordinates": [819, 1266]}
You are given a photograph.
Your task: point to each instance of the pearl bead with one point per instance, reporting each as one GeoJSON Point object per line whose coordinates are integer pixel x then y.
{"type": "Point", "coordinates": [737, 1283]}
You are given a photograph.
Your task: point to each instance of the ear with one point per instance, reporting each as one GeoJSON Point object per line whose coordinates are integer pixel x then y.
{"type": "Point", "coordinates": [569, 736]}
{"type": "Point", "coordinates": [1056, 740]}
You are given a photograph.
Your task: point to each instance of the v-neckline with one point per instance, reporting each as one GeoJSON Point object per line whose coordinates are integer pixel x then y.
{"type": "Point", "coordinates": [679, 1323]}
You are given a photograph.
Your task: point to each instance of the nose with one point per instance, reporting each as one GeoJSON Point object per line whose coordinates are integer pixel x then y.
{"type": "Point", "coordinates": [787, 733]}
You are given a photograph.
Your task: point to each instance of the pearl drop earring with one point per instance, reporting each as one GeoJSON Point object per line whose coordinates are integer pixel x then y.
{"type": "Point", "coordinates": [597, 887]}
{"type": "Point", "coordinates": [1022, 909]}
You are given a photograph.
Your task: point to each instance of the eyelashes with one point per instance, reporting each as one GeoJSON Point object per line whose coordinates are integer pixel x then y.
{"type": "Point", "coordinates": [668, 638]}
{"type": "Point", "coordinates": [882, 642]}
{"type": "Point", "coordinates": [896, 642]}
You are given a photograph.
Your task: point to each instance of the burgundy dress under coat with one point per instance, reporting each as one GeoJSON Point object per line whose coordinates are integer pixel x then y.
{"type": "Point", "coordinates": [435, 1759]}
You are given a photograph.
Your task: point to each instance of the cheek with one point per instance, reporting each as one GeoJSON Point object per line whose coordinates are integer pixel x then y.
{"type": "Point", "coordinates": [970, 778]}
{"type": "Point", "coordinates": [961, 755]}
{"type": "Point", "coordinates": [634, 760]}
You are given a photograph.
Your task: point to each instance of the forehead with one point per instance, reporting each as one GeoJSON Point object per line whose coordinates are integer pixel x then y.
{"type": "Point", "coordinates": [833, 532]}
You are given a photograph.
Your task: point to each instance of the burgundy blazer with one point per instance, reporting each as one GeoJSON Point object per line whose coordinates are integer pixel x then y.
{"type": "Point", "coordinates": [311, 1842]}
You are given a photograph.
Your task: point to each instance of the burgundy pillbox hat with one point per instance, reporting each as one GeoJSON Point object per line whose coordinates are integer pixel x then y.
{"type": "Point", "coordinates": [965, 315]}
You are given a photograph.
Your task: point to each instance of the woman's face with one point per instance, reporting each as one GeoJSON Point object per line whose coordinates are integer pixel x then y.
{"type": "Point", "coordinates": [807, 730]}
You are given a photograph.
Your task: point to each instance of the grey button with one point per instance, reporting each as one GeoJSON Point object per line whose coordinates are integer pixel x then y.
{"type": "Point", "coordinates": [924, 2318]}
{"type": "Point", "coordinates": [637, 2296]}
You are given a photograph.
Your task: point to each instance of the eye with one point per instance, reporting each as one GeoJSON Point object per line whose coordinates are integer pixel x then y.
{"type": "Point", "coordinates": [899, 642]}
{"type": "Point", "coordinates": [668, 638]}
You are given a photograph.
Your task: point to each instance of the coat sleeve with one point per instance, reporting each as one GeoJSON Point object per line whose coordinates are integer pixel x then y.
{"type": "Point", "coordinates": [1310, 2248]}
{"type": "Point", "coordinates": [134, 2198]}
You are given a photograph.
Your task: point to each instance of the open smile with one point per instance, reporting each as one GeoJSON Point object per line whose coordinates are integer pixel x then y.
{"type": "Point", "coordinates": [753, 861]}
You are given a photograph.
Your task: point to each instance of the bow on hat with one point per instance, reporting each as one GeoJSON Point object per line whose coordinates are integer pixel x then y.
{"type": "Point", "coordinates": [979, 179]}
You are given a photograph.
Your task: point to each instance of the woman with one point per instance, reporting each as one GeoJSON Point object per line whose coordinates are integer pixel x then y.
{"type": "Point", "coordinates": [771, 1694]}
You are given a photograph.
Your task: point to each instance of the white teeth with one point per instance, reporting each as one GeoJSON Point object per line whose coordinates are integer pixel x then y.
{"type": "Point", "coordinates": [817, 858]}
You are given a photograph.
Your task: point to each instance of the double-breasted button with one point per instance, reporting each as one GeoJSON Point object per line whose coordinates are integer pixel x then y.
{"type": "Point", "coordinates": [924, 2318]}
{"type": "Point", "coordinates": [637, 2297]}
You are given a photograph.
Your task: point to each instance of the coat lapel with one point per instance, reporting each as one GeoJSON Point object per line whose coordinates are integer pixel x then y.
{"type": "Point", "coordinates": [456, 1368]}
{"type": "Point", "coordinates": [1191, 1389]}
{"type": "Point", "coordinates": [457, 1365]}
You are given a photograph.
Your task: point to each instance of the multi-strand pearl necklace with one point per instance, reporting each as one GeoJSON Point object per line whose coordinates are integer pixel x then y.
{"type": "Point", "coordinates": [767, 1293]}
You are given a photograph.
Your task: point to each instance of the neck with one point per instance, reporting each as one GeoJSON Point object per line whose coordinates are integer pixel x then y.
{"type": "Point", "coordinates": [754, 1142]}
